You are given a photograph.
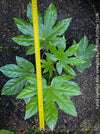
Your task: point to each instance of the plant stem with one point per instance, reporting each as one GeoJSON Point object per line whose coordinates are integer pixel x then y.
{"type": "Point", "coordinates": [55, 72]}
{"type": "Point", "coordinates": [49, 80]}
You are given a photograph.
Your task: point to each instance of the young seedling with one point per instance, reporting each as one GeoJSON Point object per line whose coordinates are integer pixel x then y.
{"type": "Point", "coordinates": [57, 86]}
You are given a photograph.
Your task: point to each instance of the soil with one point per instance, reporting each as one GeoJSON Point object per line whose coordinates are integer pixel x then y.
{"type": "Point", "coordinates": [83, 22]}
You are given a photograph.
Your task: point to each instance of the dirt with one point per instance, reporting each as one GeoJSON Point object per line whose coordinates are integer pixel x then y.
{"type": "Point", "coordinates": [83, 22]}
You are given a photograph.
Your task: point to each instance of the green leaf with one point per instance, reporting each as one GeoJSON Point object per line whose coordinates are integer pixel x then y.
{"type": "Point", "coordinates": [71, 50]}
{"type": "Point", "coordinates": [67, 105]}
{"type": "Point", "coordinates": [74, 61]}
{"type": "Point", "coordinates": [60, 28]}
{"type": "Point", "coordinates": [41, 26]}
{"type": "Point", "coordinates": [60, 57]}
{"type": "Point", "coordinates": [52, 48]}
{"type": "Point", "coordinates": [24, 26]}
{"type": "Point", "coordinates": [23, 69]}
{"type": "Point", "coordinates": [25, 64]}
{"type": "Point", "coordinates": [47, 31]}
{"type": "Point", "coordinates": [13, 86]}
{"type": "Point", "coordinates": [48, 66]}
{"type": "Point", "coordinates": [83, 43]}
{"type": "Point", "coordinates": [27, 92]}
{"type": "Point", "coordinates": [85, 52]}
{"type": "Point", "coordinates": [26, 100]}
{"type": "Point", "coordinates": [3, 131]}
{"type": "Point", "coordinates": [50, 113]}
{"type": "Point", "coordinates": [59, 91]}
{"type": "Point", "coordinates": [31, 79]}
{"type": "Point", "coordinates": [40, 20]}
{"type": "Point", "coordinates": [90, 51]}
{"type": "Point", "coordinates": [59, 67]}
{"type": "Point", "coordinates": [69, 70]}
{"type": "Point", "coordinates": [60, 80]}
{"type": "Point", "coordinates": [80, 68]}
{"type": "Point", "coordinates": [11, 70]}
{"type": "Point", "coordinates": [71, 90]}
{"type": "Point", "coordinates": [72, 83]}
{"type": "Point", "coordinates": [29, 13]}
{"type": "Point", "coordinates": [51, 57]}
{"type": "Point", "coordinates": [27, 29]}
{"type": "Point", "coordinates": [23, 40]}
{"type": "Point", "coordinates": [32, 107]}
{"type": "Point", "coordinates": [56, 41]}
{"type": "Point", "coordinates": [50, 17]}
{"type": "Point", "coordinates": [87, 64]}
{"type": "Point", "coordinates": [45, 70]}
{"type": "Point", "coordinates": [74, 42]}
{"type": "Point", "coordinates": [30, 50]}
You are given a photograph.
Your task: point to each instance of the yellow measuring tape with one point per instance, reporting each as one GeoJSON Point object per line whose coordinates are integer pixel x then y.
{"type": "Point", "coordinates": [38, 64]}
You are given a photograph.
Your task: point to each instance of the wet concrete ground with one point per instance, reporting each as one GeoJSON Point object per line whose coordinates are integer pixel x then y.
{"type": "Point", "coordinates": [83, 23]}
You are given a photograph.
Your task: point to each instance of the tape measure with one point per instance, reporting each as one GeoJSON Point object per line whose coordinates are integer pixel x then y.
{"type": "Point", "coordinates": [38, 64]}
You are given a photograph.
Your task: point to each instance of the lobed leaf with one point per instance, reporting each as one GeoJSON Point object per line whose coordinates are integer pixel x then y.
{"type": "Point", "coordinates": [51, 57]}
{"type": "Point", "coordinates": [87, 64]}
{"type": "Point", "coordinates": [60, 28]}
{"type": "Point", "coordinates": [31, 79]}
{"type": "Point", "coordinates": [21, 70]}
{"type": "Point", "coordinates": [32, 107]}
{"type": "Point", "coordinates": [69, 70]}
{"type": "Point", "coordinates": [85, 52]}
{"type": "Point", "coordinates": [30, 50]}
{"type": "Point", "coordinates": [83, 43]}
{"type": "Point", "coordinates": [70, 90]}
{"type": "Point", "coordinates": [67, 105]}
{"type": "Point", "coordinates": [13, 86]}
{"type": "Point", "coordinates": [27, 92]}
{"type": "Point", "coordinates": [50, 17]}
{"type": "Point", "coordinates": [71, 50]}
{"type": "Point", "coordinates": [59, 80]}
{"type": "Point", "coordinates": [24, 26]}
{"type": "Point", "coordinates": [57, 41]}
{"type": "Point", "coordinates": [47, 31]}
{"type": "Point", "coordinates": [74, 61]}
{"type": "Point", "coordinates": [52, 48]}
{"type": "Point", "coordinates": [48, 66]}
{"type": "Point", "coordinates": [59, 91]}
{"type": "Point", "coordinates": [60, 58]}
{"type": "Point", "coordinates": [59, 67]}
{"type": "Point", "coordinates": [29, 13]}
{"type": "Point", "coordinates": [23, 40]}
{"type": "Point", "coordinates": [25, 64]}
{"type": "Point", "coordinates": [90, 51]}
{"type": "Point", "coordinates": [12, 71]}
{"type": "Point", "coordinates": [50, 114]}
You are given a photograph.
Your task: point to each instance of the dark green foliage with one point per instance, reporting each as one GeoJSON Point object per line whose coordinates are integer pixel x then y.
{"type": "Point", "coordinates": [61, 57]}
{"type": "Point", "coordinates": [18, 73]}
{"type": "Point", "coordinates": [59, 91]}
{"type": "Point", "coordinates": [56, 89]}
{"type": "Point", "coordinates": [85, 52]}
{"type": "Point", "coordinates": [47, 33]}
